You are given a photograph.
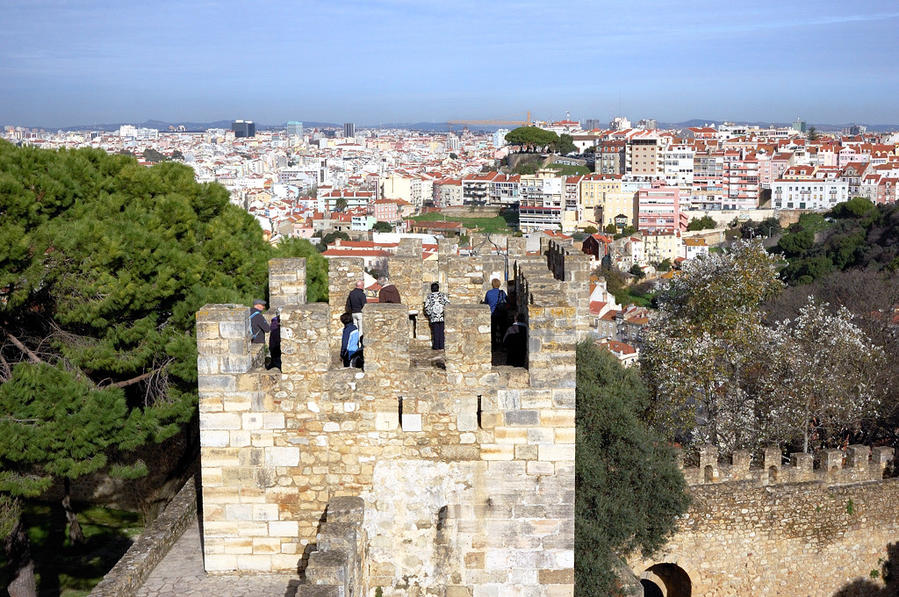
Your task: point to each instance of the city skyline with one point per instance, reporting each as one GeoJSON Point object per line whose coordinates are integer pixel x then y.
{"type": "Point", "coordinates": [399, 61]}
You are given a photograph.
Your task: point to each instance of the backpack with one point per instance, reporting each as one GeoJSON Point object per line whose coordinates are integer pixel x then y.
{"type": "Point", "coordinates": [352, 344]}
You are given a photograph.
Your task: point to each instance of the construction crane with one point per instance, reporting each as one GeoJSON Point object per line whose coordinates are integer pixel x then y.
{"type": "Point", "coordinates": [492, 122]}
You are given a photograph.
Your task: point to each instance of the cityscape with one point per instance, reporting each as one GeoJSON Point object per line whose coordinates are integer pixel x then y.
{"type": "Point", "coordinates": [410, 299]}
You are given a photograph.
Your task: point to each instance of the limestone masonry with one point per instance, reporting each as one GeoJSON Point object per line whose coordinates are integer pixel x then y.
{"type": "Point", "coordinates": [777, 529]}
{"type": "Point", "coordinates": [463, 471]}
{"type": "Point", "coordinates": [442, 474]}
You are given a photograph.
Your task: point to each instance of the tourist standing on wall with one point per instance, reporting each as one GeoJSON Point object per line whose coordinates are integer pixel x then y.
{"type": "Point", "coordinates": [498, 301]}
{"type": "Point", "coordinates": [434, 304]}
{"type": "Point", "coordinates": [350, 349]}
{"type": "Point", "coordinates": [355, 302]}
{"type": "Point", "coordinates": [389, 292]}
{"type": "Point", "coordinates": [259, 327]}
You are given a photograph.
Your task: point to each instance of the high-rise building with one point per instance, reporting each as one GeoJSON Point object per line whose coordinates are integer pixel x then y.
{"type": "Point", "coordinates": [294, 128]}
{"type": "Point", "coordinates": [799, 126]}
{"type": "Point", "coordinates": [592, 124]}
{"type": "Point", "coordinates": [499, 137]}
{"type": "Point", "coordinates": [349, 129]}
{"type": "Point", "coordinates": [244, 128]}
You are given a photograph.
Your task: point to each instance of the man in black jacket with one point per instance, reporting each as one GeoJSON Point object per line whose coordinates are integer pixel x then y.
{"type": "Point", "coordinates": [259, 327]}
{"type": "Point", "coordinates": [355, 303]}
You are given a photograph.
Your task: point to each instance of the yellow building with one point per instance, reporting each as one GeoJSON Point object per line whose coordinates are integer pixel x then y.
{"type": "Point", "coordinates": [601, 200]}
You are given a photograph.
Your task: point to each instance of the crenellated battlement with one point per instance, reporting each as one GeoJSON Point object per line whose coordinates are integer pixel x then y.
{"type": "Point", "coordinates": [857, 464]}
{"type": "Point", "coordinates": [454, 458]}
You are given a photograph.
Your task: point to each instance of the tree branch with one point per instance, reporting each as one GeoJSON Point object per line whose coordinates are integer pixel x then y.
{"type": "Point", "coordinates": [31, 356]}
{"type": "Point", "coordinates": [134, 380]}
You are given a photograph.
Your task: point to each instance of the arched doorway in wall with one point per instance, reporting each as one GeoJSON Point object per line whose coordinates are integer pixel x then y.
{"type": "Point", "coordinates": [666, 580]}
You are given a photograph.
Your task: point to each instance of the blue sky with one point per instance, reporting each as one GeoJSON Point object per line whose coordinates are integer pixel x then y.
{"type": "Point", "coordinates": [78, 62]}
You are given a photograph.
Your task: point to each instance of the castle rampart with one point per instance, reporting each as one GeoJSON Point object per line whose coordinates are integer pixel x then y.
{"type": "Point", "coordinates": [779, 529]}
{"type": "Point", "coordinates": [466, 469]}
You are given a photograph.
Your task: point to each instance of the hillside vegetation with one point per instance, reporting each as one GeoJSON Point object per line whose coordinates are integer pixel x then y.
{"type": "Point", "coordinates": [853, 235]}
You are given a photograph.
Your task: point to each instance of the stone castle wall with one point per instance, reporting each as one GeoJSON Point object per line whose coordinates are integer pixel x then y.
{"type": "Point", "coordinates": [780, 529]}
{"type": "Point", "coordinates": [466, 470]}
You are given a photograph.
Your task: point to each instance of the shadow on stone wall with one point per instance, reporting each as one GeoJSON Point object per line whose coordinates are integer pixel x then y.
{"type": "Point", "coordinates": [889, 572]}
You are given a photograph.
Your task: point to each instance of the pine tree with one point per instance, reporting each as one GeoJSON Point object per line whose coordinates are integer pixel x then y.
{"type": "Point", "coordinates": [628, 488]}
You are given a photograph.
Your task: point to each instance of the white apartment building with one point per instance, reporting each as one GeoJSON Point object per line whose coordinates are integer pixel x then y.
{"type": "Point", "coordinates": [808, 193]}
{"type": "Point", "coordinates": [678, 166]}
{"type": "Point", "coordinates": [541, 203]}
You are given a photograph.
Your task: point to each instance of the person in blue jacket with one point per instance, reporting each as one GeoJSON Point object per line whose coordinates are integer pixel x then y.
{"type": "Point", "coordinates": [350, 347]}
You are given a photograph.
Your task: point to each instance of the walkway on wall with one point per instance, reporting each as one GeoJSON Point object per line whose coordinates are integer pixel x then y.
{"type": "Point", "coordinates": [181, 574]}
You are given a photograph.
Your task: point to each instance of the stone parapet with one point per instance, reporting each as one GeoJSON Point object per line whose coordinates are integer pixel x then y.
{"type": "Point", "coordinates": [337, 566]}
{"type": "Point", "coordinates": [857, 464]}
{"type": "Point", "coordinates": [466, 470]}
{"type": "Point", "coordinates": [343, 272]}
{"type": "Point", "coordinates": [286, 282]}
{"type": "Point", "coordinates": [133, 568]}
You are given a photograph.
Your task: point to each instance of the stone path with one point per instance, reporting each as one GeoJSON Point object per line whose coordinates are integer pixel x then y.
{"type": "Point", "coordinates": [181, 574]}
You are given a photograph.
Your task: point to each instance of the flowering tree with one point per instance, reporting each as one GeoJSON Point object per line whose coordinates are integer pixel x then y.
{"type": "Point", "coordinates": [823, 376]}
{"type": "Point", "coordinates": [704, 356]}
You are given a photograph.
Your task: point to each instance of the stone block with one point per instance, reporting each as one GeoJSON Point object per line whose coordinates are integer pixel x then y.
{"type": "Point", "coordinates": [283, 528]}
{"type": "Point", "coordinates": [259, 563]}
{"type": "Point", "coordinates": [319, 591]}
{"type": "Point", "coordinates": [458, 592]}
{"type": "Point", "coordinates": [540, 468]}
{"type": "Point", "coordinates": [411, 422]}
{"type": "Point", "coordinates": [327, 568]}
{"type": "Point", "coordinates": [521, 417]}
{"type": "Point", "coordinates": [386, 421]}
{"type": "Point", "coordinates": [858, 456]}
{"type": "Point", "coordinates": [282, 456]}
{"type": "Point", "coordinates": [251, 421]}
{"type": "Point", "coordinates": [497, 451]}
{"type": "Point", "coordinates": [214, 439]}
{"type": "Point", "coordinates": [467, 421]}
{"type": "Point", "coordinates": [273, 421]}
{"type": "Point", "coordinates": [216, 383]}
{"type": "Point", "coordinates": [553, 453]}
{"type": "Point", "coordinates": [265, 512]}
{"type": "Point", "coordinates": [220, 562]}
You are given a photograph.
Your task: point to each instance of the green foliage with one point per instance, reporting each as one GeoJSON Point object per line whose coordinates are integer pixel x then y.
{"type": "Point", "coordinates": [103, 264]}
{"type": "Point", "coordinates": [703, 223]}
{"type": "Point", "coordinates": [566, 144]}
{"type": "Point", "coordinates": [850, 507]}
{"type": "Point", "coordinates": [528, 168]}
{"type": "Point", "coordinates": [628, 488]}
{"type": "Point", "coordinates": [453, 156]}
{"type": "Point", "coordinates": [496, 224]}
{"type": "Point", "coordinates": [330, 238]}
{"type": "Point", "coordinates": [151, 155]}
{"type": "Point", "coordinates": [59, 426]}
{"type": "Point", "coordinates": [764, 229]}
{"type": "Point", "coordinates": [857, 207]}
{"type": "Point", "coordinates": [70, 569]}
{"type": "Point", "coordinates": [177, 155]}
{"type": "Point", "coordinates": [664, 265]}
{"type": "Point", "coordinates": [590, 230]}
{"type": "Point", "coordinates": [626, 231]}
{"type": "Point", "coordinates": [636, 270]}
{"type": "Point", "coordinates": [382, 227]}
{"type": "Point", "coordinates": [566, 170]}
{"type": "Point", "coordinates": [611, 228]}
{"type": "Point", "coordinates": [10, 510]}
{"type": "Point", "coordinates": [532, 137]}
{"type": "Point", "coordinates": [855, 234]}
